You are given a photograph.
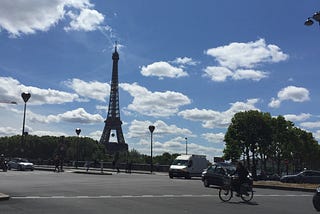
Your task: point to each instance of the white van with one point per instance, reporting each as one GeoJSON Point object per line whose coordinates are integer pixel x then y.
{"type": "Point", "coordinates": [188, 166]}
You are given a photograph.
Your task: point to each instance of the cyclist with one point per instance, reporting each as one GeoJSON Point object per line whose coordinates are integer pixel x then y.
{"type": "Point", "coordinates": [242, 174]}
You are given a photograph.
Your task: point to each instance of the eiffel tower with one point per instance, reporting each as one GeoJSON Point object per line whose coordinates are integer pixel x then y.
{"type": "Point", "coordinates": [113, 122]}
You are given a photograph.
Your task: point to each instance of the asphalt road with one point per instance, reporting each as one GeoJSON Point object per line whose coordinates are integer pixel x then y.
{"type": "Point", "coordinates": [48, 192]}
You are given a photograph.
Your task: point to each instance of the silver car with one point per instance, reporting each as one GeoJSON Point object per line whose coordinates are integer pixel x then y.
{"type": "Point", "coordinates": [20, 164]}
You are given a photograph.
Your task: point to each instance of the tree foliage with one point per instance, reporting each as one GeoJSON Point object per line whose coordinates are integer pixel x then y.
{"type": "Point", "coordinates": [45, 148]}
{"type": "Point", "coordinates": [256, 137]}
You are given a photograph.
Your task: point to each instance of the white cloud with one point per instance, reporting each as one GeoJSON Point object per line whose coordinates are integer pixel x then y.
{"type": "Point", "coordinates": [139, 129]}
{"type": "Point", "coordinates": [95, 135]}
{"type": "Point", "coordinates": [317, 135]}
{"type": "Point", "coordinates": [311, 125]}
{"type": "Point", "coordinates": [218, 74]}
{"type": "Point", "coordinates": [94, 89]}
{"type": "Point", "coordinates": [48, 133]}
{"type": "Point", "coordinates": [11, 90]}
{"type": "Point", "coordinates": [184, 61]}
{"type": "Point", "coordinates": [294, 117]}
{"type": "Point", "coordinates": [249, 74]}
{"type": "Point", "coordinates": [162, 69]}
{"type": "Point", "coordinates": [238, 60]}
{"type": "Point", "coordinates": [214, 137]}
{"type": "Point", "coordinates": [87, 20]}
{"type": "Point", "coordinates": [247, 55]}
{"type": "Point", "coordinates": [27, 17]}
{"type": "Point", "coordinates": [213, 119]}
{"type": "Point", "coordinates": [176, 145]}
{"type": "Point", "coordinates": [293, 93]}
{"type": "Point", "coordinates": [157, 104]}
{"type": "Point", "coordinates": [75, 116]}
{"type": "Point", "coordinates": [8, 131]}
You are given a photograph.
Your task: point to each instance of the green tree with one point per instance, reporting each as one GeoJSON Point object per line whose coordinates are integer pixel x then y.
{"type": "Point", "coordinates": [247, 134]}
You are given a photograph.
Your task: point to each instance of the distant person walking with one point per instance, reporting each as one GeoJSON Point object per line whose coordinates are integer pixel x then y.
{"type": "Point", "coordinates": [56, 163]}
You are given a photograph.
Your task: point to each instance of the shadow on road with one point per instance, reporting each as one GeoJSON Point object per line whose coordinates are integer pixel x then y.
{"type": "Point", "coordinates": [251, 203]}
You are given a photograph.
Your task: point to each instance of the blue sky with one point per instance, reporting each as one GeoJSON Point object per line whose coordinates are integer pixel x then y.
{"type": "Point", "coordinates": [185, 66]}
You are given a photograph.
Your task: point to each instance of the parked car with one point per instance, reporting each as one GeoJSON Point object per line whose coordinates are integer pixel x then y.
{"type": "Point", "coordinates": [268, 177]}
{"type": "Point", "coordinates": [20, 164]}
{"type": "Point", "coordinates": [217, 173]}
{"type": "Point", "coordinates": [306, 176]}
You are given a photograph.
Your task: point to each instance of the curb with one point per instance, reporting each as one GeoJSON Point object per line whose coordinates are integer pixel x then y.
{"type": "Point", "coordinates": [283, 188]}
{"type": "Point", "coordinates": [92, 173]}
{"type": "Point", "coordinates": [4, 197]}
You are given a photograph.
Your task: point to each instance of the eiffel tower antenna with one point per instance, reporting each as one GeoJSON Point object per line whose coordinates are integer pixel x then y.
{"type": "Point", "coordinates": [113, 121]}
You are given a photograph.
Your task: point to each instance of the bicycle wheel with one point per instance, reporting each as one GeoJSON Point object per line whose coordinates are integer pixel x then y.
{"type": "Point", "coordinates": [225, 193]}
{"type": "Point", "coordinates": [247, 196]}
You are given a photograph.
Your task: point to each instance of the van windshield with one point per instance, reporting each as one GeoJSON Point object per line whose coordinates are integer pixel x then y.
{"type": "Point", "coordinates": [180, 162]}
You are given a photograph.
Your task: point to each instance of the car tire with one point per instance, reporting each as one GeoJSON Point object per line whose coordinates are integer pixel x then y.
{"type": "Point", "coordinates": [316, 202]}
{"type": "Point", "coordinates": [206, 183]}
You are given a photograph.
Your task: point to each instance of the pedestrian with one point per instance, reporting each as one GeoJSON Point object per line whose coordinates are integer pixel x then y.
{"type": "Point", "coordinates": [87, 165]}
{"type": "Point", "coordinates": [117, 167]}
{"type": "Point", "coordinates": [56, 163]}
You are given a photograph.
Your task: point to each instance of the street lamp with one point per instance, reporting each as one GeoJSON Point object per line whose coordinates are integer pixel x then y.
{"type": "Point", "coordinates": [25, 96]}
{"type": "Point", "coordinates": [316, 17]}
{"type": "Point", "coordinates": [186, 145]}
{"type": "Point", "coordinates": [151, 129]}
{"type": "Point", "coordinates": [78, 131]}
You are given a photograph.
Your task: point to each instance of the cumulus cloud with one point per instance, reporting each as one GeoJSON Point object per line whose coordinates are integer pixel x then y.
{"type": "Point", "coordinates": [311, 125]}
{"type": "Point", "coordinates": [74, 116]}
{"type": "Point", "coordinates": [317, 135]}
{"type": "Point", "coordinates": [8, 131]}
{"type": "Point", "coordinates": [138, 129]}
{"type": "Point", "coordinates": [293, 93]}
{"type": "Point", "coordinates": [162, 69]}
{"type": "Point", "coordinates": [294, 117]}
{"type": "Point", "coordinates": [184, 61]}
{"type": "Point", "coordinates": [214, 119]}
{"type": "Point", "coordinates": [93, 89]}
{"type": "Point", "coordinates": [177, 145]}
{"type": "Point", "coordinates": [240, 59]}
{"type": "Point", "coordinates": [87, 20]}
{"type": "Point", "coordinates": [11, 89]}
{"type": "Point", "coordinates": [246, 55]}
{"type": "Point", "coordinates": [249, 74]}
{"type": "Point", "coordinates": [27, 17]}
{"type": "Point", "coordinates": [48, 133]}
{"type": "Point", "coordinates": [157, 104]}
{"type": "Point", "coordinates": [218, 74]}
{"type": "Point", "coordinates": [214, 137]}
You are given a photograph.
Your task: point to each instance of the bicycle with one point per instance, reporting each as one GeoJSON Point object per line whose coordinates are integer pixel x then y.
{"type": "Point", "coordinates": [226, 191]}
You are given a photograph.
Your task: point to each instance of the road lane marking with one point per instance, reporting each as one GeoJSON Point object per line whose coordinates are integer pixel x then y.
{"type": "Point", "coordinates": [146, 196]}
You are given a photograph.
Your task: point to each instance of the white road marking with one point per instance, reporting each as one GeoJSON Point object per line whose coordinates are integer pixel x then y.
{"type": "Point", "coordinates": [145, 196]}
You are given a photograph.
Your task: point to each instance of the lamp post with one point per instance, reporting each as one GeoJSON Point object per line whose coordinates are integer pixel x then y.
{"type": "Point", "coordinates": [151, 129]}
{"type": "Point", "coordinates": [186, 145]}
{"type": "Point", "coordinates": [25, 96]}
{"type": "Point", "coordinates": [78, 131]}
{"type": "Point", "coordinates": [315, 17]}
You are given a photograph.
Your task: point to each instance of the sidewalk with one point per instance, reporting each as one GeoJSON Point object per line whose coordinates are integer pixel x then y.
{"type": "Point", "coordinates": [285, 186]}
